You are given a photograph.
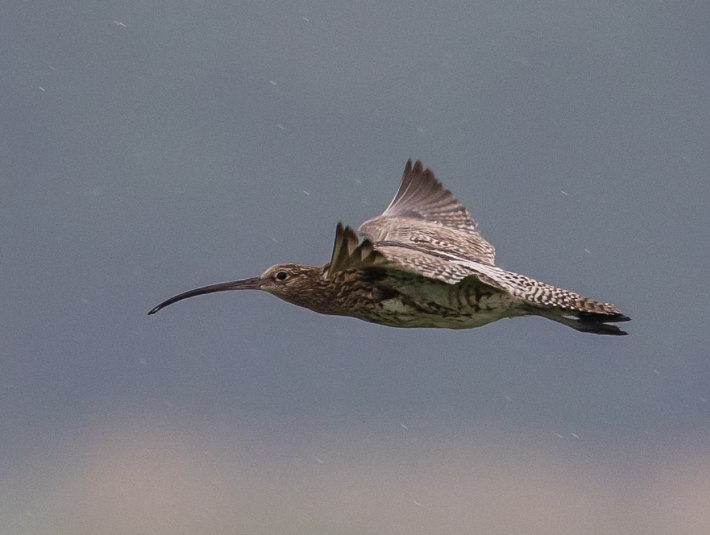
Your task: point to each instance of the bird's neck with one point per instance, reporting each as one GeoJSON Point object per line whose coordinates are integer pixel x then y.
{"type": "Point", "coordinates": [315, 292]}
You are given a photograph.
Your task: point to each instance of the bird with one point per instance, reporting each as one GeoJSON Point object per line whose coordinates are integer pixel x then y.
{"type": "Point", "coordinates": [422, 263]}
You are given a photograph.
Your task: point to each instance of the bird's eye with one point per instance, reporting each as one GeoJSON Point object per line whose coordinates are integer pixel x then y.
{"type": "Point", "coordinates": [281, 275]}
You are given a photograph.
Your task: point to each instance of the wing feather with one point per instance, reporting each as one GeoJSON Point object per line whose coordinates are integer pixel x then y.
{"type": "Point", "coordinates": [349, 253]}
{"type": "Point", "coordinates": [424, 212]}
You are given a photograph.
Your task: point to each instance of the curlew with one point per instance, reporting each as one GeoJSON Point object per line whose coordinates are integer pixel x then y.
{"type": "Point", "coordinates": [421, 263]}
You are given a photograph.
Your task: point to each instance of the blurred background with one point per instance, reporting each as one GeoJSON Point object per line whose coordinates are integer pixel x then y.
{"type": "Point", "coordinates": [150, 147]}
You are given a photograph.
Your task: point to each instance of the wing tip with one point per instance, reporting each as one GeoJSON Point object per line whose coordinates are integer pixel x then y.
{"type": "Point", "coordinates": [349, 252]}
{"type": "Point", "coordinates": [413, 169]}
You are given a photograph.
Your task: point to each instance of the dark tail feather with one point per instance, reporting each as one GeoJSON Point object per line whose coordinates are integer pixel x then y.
{"type": "Point", "coordinates": [586, 322]}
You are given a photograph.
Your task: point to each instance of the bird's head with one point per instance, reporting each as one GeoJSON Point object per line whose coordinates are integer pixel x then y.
{"type": "Point", "coordinates": [284, 279]}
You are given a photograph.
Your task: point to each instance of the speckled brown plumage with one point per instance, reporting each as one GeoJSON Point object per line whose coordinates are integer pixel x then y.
{"type": "Point", "coordinates": [421, 263]}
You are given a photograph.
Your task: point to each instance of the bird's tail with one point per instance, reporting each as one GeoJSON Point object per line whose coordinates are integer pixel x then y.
{"type": "Point", "coordinates": [586, 322]}
{"type": "Point", "coordinates": [560, 305]}
{"type": "Point", "coordinates": [569, 308]}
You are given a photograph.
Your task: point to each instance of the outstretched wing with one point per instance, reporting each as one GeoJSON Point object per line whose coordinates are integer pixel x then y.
{"type": "Point", "coordinates": [426, 215]}
{"type": "Point", "coordinates": [349, 253]}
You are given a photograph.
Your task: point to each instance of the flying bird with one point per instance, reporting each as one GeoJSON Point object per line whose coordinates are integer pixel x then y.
{"type": "Point", "coordinates": [421, 263]}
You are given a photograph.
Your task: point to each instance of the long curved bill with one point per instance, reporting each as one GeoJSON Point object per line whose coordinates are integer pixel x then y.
{"type": "Point", "coordinates": [246, 284]}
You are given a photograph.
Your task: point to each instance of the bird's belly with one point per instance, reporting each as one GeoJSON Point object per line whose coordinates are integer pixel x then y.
{"type": "Point", "coordinates": [438, 306]}
{"type": "Point", "coordinates": [395, 313]}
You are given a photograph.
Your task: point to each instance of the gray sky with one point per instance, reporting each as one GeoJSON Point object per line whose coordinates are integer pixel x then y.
{"type": "Point", "coordinates": [149, 148]}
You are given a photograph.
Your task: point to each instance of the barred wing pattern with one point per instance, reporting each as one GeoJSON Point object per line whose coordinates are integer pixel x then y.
{"type": "Point", "coordinates": [426, 215]}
